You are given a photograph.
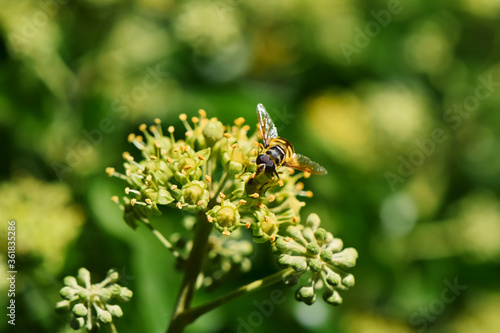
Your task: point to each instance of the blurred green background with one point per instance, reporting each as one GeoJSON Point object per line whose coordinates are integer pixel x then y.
{"type": "Point", "coordinates": [399, 100]}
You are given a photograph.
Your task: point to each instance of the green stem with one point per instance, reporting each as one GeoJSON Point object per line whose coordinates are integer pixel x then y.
{"type": "Point", "coordinates": [162, 239]}
{"type": "Point", "coordinates": [192, 314]}
{"type": "Point", "coordinates": [192, 270]}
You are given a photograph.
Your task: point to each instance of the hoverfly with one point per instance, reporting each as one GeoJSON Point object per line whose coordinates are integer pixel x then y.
{"type": "Point", "coordinates": [279, 151]}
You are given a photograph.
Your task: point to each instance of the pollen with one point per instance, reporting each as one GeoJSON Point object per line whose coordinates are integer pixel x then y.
{"type": "Point", "coordinates": [127, 190]}
{"type": "Point", "coordinates": [142, 127]}
{"type": "Point", "coordinates": [227, 135]}
{"type": "Point", "coordinates": [131, 137]}
{"type": "Point", "coordinates": [173, 187]}
{"type": "Point", "coordinates": [171, 129]}
{"type": "Point", "coordinates": [273, 238]}
{"type": "Point", "coordinates": [294, 219]}
{"type": "Point", "coordinates": [307, 174]}
{"type": "Point", "coordinates": [288, 239]}
{"type": "Point", "coordinates": [153, 129]}
{"type": "Point", "coordinates": [208, 178]}
{"type": "Point", "coordinates": [266, 218]}
{"type": "Point", "coordinates": [242, 202]}
{"type": "Point", "coordinates": [309, 194]}
{"type": "Point", "coordinates": [182, 117]}
{"type": "Point", "coordinates": [272, 198]}
{"type": "Point", "coordinates": [187, 167]}
{"type": "Point", "coordinates": [149, 178]}
{"type": "Point", "coordinates": [202, 113]}
{"type": "Point", "coordinates": [153, 157]}
{"type": "Point", "coordinates": [169, 160]}
{"type": "Point", "coordinates": [226, 233]}
{"type": "Point", "coordinates": [254, 195]}
{"type": "Point", "coordinates": [299, 186]}
{"type": "Point", "coordinates": [239, 121]}
{"type": "Point", "coordinates": [110, 171]}
{"type": "Point", "coordinates": [133, 201]}
{"type": "Point", "coordinates": [126, 156]}
{"type": "Point", "coordinates": [281, 182]}
{"type": "Point", "coordinates": [235, 146]}
{"type": "Point", "coordinates": [222, 195]}
{"type": "Point", "coordinates": [248, 225]}
{"type": "Point", "coordinates": [148, 201]}
{"type": "Point", "coordinates": [201, 202]}
{"type": "Point", "coordinates": [210, 219]}
{"type": "Point", "coordinates": [201, 158]}
{"type": "Point", "coordinates": [114, 198]}
{"type": "Point", "coordinates": [179, 205]}
{"type": "Point", "coordinates": [158, 144]}
{"type": "Point", "coordinates": [195, 120]}
{"type": "Point", "coordinates": [157, 121]}
{"type": "Point", "coordinates": [260, 205]}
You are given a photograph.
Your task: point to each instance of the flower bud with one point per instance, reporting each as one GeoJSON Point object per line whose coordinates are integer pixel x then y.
{"type": "Point", "coordinates": [213, 131]}
{"type": "Point", "coordinates": [115, 310]}
{"type": "Point", "coordinates": [345, 259]}
{"type": "Point", "coordinates": [62, 307]}
{"type": "Point", "coordinates": [348, 281]}
{"type": "Point", "coordinates": [80, 310]}
{"type": "Point", "coordinates": [70, 281]}
{"type": "Point", "coordinates": [306, 294]}
{"type": "Point", "coordinates": [84, 276]}
{"type": "Point", "coordinates": [332, 297]}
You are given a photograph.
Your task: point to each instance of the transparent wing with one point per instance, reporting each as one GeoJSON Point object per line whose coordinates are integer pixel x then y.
{"type": "Point", "coordinates": [304, 163]}
{"type": "Point", "coordinates": [266, 125]}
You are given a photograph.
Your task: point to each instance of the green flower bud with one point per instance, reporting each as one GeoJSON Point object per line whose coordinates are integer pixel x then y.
{"type": "Point", "coordinates": [345, 259]}
{"type": "Point", "coordinates": [80, 310]}
{"type": "Point", "coordinates": [332, 297]}
{"type": "Point", "coordinates": [84, 277]}
{"type": "Point", "coordinates": [70, 281]}
{"type": "Point", "coordinates": [313, 221]}
{"type": "Point", "coordinates": [115, 310]}
{"type": "Point", "coordinates": [112, 275]}
{"type": "Point", "coordinates": [77, 323]}
{"type": "Point", "coordinates": [312, 248]}
{"type": "Point", "coordinates": [320, 234]}
{"type": "Point", "coordinates": [316, 265]}
{"type": "Point", "coordinates": [299, 264]}
{"type": "Point", "coordinates": [348, 281]}
{"type": "Point", "coordinates": [332, 278]}
{"type": "Point", "coordinates": [68, 292]}
{"type": "Point", "coordinates": [63, 307]}
{"type": "Point", "coordinates": [326, 255]}
{"type": "Point", "coordinates": [306, 294]}
{"type": "Point", "coordinates": [335, 245]}
{"type": "Point", "coordinates": [213, 131]}
{"type": "Point", "coordinates": [125, 294]}
{"type": "Point", "coordinates": [285, 260]}
{"type": "Point", "coordinates": [104, 316]}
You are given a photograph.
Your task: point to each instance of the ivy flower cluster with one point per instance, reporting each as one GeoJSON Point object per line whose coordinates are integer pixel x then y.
{"type": "Point", "coordinates": [210, 173]}
{"type": "Point", "coordinates": [311, 249]}
{"type": "Point", "coordinates": [90, 304]}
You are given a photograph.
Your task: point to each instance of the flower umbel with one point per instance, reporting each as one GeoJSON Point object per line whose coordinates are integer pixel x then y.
{"type": "Point", "coordinates": [311, 249]}
{"type": "Point", "coordinates": [211, 173]}
{"type": "Point", "coordinates": [90, 303]}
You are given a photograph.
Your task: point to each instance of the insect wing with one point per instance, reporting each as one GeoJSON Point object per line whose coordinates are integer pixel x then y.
{"type": "Point", "coordinates": [266, 125]}
{"type": "Point", "coordinates": [304, 163]}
